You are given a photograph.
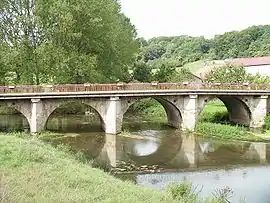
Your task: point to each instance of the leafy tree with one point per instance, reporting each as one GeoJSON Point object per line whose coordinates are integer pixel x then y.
{"type": "Point", "coordinates": [142, 72]}
{"type": "Point", "coordinates": [228, 74]}
{"type": "Point", "coordinates": [64, 41]}
{"type": "Point", "coordinates": [164, 73]}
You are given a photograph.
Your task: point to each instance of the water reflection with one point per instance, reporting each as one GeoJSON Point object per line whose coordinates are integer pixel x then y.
{"type": "Point", "coordinates": [167, 148]}
{"type": "Point", "coordinates": [74, 123]}
{"type": "Point", "coordinates": [206, 162]}
{"type": "Point", "coordinates": [16, 122]}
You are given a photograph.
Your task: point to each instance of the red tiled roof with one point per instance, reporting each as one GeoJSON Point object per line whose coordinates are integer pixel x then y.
{"type": "Point", "coordinates": [257, 61]}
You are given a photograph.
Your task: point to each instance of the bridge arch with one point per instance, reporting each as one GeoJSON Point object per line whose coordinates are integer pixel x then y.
{"type": "Point", "coordinates": [21, 108]}
{"type": "Point", "coordinates": [52, 106]}
{"type": "Point", "coordinates": [237, 107]}
{"type": "Point", "coordinates": [173, 114]}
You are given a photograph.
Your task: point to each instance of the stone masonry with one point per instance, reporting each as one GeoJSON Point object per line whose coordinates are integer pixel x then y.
{"type": "Point", "coordinates": [182, 110]}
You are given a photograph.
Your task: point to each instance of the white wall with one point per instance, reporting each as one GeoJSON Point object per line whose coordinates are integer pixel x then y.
{"type": "Point", "coordinates": [263, 70]}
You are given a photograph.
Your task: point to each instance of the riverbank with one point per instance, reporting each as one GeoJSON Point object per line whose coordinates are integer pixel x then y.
{"type": "Point", "coordinates": [34, 171]}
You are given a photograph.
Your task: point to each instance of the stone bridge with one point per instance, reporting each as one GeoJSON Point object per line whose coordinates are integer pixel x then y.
{"type": "Point", "coordinates": [247, 104]}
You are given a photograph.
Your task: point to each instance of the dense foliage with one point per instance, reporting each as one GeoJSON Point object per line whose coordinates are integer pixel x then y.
{"type": "Point", "coordinates": [61, 41]}
{"type": "Point", "coordinates": [163, 52]}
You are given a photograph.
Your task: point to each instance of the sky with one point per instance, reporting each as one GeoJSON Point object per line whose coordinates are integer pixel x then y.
{"type": "Point", "coordinates": [153, 18]}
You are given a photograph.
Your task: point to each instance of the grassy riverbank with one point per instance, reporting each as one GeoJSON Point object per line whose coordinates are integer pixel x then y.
{"type": "Point", "coordinates": [214, 122]}
{"type": "Point", "coordinates": [33, 171]}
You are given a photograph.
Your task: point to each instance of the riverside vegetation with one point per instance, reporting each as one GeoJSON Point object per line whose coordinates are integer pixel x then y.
{"type": "Point", "coordinates": [32, 171]}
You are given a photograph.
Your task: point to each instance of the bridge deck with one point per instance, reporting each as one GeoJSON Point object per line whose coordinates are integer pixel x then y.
{"type": "Point", "coordinates": [130, 89]}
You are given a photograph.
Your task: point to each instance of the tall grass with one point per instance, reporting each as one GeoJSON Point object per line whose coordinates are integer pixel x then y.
{"type": "Point", "coordinates": [267, 122]}
{"type": "Point", "coordinates": [222, 131]}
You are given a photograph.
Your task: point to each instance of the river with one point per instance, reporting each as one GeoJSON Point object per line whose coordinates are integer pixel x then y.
{"type": "Point", "coordinates": [154, 156]}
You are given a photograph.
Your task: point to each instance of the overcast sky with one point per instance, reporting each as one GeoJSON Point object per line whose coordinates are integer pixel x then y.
{"type": "Point", "coordinates": [194, 17]}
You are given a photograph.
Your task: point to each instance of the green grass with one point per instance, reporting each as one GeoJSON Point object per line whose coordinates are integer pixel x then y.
{"type": "Point", "coordinates": [194, 66]}
{"type": "Point", "coordinates": [214, 122]}
{"type": "Point", "coordinates": [34, 171]}
{"type": "Point", "coordinates": [222, 131]}
{"type": "Point", "coordinates": [214, 112]}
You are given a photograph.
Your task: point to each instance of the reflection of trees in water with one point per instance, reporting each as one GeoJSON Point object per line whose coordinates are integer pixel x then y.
{"type": "Point", "coordinates": [13, 123]}
{"type": "Point", "coordinates": [90, 144]}
{"type": "Point", "coordinates": [167, 146]}
{"type": "Point", "coordinates": [75, 123]}
{"type": "Point", "coordinates": [228, 152]}
{"type": "Point", "coordinates": [16, 122]}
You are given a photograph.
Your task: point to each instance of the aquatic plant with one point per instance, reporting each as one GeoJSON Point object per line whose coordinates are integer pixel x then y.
{"type": "Point", "coordinates": [183, 191]}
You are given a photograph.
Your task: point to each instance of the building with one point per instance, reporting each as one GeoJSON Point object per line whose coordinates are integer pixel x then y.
{"type": "Point", "coordinates": [256, 65]}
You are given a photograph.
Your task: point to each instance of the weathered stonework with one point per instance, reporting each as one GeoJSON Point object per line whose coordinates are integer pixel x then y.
{"type": "Point", "coordinates": [182, 111]}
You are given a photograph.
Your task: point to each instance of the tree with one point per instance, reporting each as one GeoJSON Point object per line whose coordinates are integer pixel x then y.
{"type": "Point", "coordinates": [64, 41]}
{"type": "Point", "coordinates": [164, 73]}
{"type": "Point", "coordinates": [142, 72]}
{"type": "Point", "coordinates": [228, 74]}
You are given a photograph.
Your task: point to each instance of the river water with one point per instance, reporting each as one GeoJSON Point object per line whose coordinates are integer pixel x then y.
{"type": "Point", "coordinates": [154, 156]}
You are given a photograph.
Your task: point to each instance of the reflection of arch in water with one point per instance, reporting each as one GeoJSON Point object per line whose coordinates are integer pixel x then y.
{"type": "Point", "coordinates": [173, 113]}
{"type": "Point", "coordinates": [90, 144]}
{"type": "Point", "coordinates": [168, 148]}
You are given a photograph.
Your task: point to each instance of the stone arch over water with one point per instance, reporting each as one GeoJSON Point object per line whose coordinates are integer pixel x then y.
{"type": "Point", "coordinates": [237, 107]}
{"type": "Point", "coordinates": [52, 106]}
{"type": "Point", "coordinates": [173, 114]}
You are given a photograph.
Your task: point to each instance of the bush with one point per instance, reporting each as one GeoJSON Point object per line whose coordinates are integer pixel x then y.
{"type": "Point", "coordinates": [267, 122]}
{"type": "Point", "coordinates": [215, 117]}
{"type": "Point", "coordinates": [228, 74]}
{"type": "Point", "coordinates": [147, 107]}
{"type": "Point", "coordinates": [183, 191]}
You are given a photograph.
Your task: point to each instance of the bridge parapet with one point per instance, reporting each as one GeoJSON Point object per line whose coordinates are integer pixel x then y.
{"type": "Point", "coordinates": [129, 86]}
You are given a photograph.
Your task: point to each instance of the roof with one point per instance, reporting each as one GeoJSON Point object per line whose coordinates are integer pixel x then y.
{"type": "Point", "coordinates": [257, 61]}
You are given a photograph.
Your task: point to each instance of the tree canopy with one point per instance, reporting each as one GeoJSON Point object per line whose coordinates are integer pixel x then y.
{"type": "Point", "coordinates": [62, 41]}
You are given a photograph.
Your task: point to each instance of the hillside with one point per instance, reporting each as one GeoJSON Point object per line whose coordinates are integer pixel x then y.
{"type": "Point", "coordinates": [166, 53]}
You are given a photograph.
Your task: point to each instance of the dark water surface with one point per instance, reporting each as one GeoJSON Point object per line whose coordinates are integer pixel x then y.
{"type": "Point", "coordinates": [154, 156]}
